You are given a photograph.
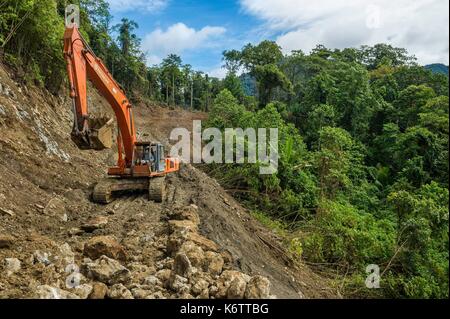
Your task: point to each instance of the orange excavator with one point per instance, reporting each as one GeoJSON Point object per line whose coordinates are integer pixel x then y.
{"type": "Point", "coordinates": [140, 165]}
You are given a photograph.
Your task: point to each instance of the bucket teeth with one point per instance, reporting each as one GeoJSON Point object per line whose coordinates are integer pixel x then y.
{"type": "Point", "coordinates": [98, 137]}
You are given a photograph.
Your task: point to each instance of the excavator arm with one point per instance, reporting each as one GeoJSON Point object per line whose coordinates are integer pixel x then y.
{"type": "Point", "coordinates": [140, 165]}
{"type": "Point", "coordinates": [81, 64]}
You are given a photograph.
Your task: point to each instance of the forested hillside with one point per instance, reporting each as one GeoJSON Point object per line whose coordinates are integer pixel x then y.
{"type": "Point", "coordinates": [363, 171]}
{"type": "Point", "coordinates": [438, 68]}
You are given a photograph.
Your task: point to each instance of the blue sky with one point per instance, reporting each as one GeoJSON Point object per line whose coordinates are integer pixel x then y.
{"type": "Point", "coordinates": [200, 30]}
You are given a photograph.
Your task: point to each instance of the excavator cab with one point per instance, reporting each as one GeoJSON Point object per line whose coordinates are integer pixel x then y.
{"type": "Point", "coordinates": [151, 154]}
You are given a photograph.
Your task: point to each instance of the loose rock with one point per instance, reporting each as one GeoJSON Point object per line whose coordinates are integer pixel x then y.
{"type": "Point", "coordinates": [213, 263]}
{"type": "Point", "coordinates": [237, 288]}
{"type": "Point", "coordinates": [186, 213]}
{"type": "Point", "coordinates": [106, 270]}
{"type": "Point", "coordinates": [95, 223]}
{"type": "Point", "coordinates": [181, 265]}
{"type": "Point", "coordinates": [83, 291]}
{"type": "Point", "coordinates": [182, 225]}
{"type": "Point", "coordinates": [50, 292]}
{"type": "Point", "coordinates": [41, 257]}
{"type": "Point", "coordinates": [99, 291]}
{"type": "Point", "coordinates": [179, 284]}
{"type": "Point", "coordinates": [119, 291]}
{"type": "Point", "coordinates": [12, 265]}
{"type": "Point", "coordinates": [195, 254]}
{"type": "Point", "coordinates": [258, 288]}
{"type": "Point", "coordinates": [104, 245]}
{"type": "Point", "coordinates": [203, 242]}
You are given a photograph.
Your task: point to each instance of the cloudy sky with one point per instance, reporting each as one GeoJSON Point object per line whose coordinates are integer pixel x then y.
{"type": "Point", "coordinates": [199, 30]}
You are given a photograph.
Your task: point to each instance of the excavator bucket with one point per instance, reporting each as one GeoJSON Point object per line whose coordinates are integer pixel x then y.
{"type": "Point", "coordinates": [99, 137]}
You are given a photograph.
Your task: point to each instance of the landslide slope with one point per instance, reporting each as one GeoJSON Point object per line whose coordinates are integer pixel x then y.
{"type": "Point", "coordinates": [48, 221]}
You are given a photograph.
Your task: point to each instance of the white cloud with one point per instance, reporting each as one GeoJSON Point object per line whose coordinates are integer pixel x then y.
{"type": "Point", "coordinates": [218, 72]}
{"type": "Point", "coordinates": [421, 26]}
{"type": "Point", "coordinates": [129, 5]}
{"type": "Point", "coordinates": [179, 38]}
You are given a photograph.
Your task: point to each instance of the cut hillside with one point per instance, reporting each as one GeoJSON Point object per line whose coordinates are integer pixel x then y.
{"type": "Point", "coordinates": [131, 248]}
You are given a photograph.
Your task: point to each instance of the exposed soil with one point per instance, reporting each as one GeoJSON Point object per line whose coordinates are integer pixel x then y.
{"type": "Point", "coordinates": [45, 188]}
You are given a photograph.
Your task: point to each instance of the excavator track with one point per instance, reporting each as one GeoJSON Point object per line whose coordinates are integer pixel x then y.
{"type": "Point", "coordinates": [157, 189]}
{"type": "Point", "coordinates": [104, 190]}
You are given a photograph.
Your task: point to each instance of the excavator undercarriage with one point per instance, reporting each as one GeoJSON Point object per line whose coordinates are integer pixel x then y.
{"type": "Point", "coordinates": [106, 190]}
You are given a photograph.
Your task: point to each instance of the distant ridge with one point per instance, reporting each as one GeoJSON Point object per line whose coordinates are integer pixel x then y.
{"type": "Point", "coordinates": [437, 68]}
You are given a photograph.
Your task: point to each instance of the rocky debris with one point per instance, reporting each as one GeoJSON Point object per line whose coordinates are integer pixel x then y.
{"type": "Point", "coordinates": [236, 290]}
{"type": "Point", "coordinates": [140, 293]}
{"type": "Point", "coordinates": [200, 287]}
{"type": "Point", "coordinates": [95, 223]}
{"type": "Point", "coordinates": [164, 275]}
{"type": "Point", "coordinates": [182, 226]}
{"type": "Point", "coordinates": [181, 265]}
{"type": "Point", "coordinates": [41, 257]}
{"type": "Point", "coordinates": [106, 270]}
{"type": "Point", "coordinates": [152, 281]}
{"type": "Point", "coordinates": [66, 253]}
{"type": "Point", "coordinates": [139, 272]}
{"type": "Point", "coordinates": [12, 265]}
{"type": "Point", "coordinates": [203, 242]}
{"type": "Point", "coordinates": [189, 213]}
{"type": "Point", "coordinates": [50, 292]}
{"type": "Point", "coordinates": [174, 242]}
{"type": "Point", "coordinates": [225, 280]}
{"type": "Point", "coordinates": [179, 284]}
{"type": "Point", "coordinates": [213, 263]}
{"type": "Point", "coordinates": [197, 261]}
{"type": "Point", "coordinates": [6, 241]}
{"type": "Point", "coordinates": [99, 291]}
{"type": "Point", "coordinates": [83, 291]}
{"type": "Point", "coordinates": [258, 288]}
{"type": "Point", "coordinates": [195, 254]}
{"type": "Point", "coordinates": [104, 245]}
{"type": "Point", "coordinates": [119, 291]}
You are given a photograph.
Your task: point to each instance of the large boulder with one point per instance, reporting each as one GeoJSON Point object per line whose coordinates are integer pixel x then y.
{"type": "Point", "coordinates": [237, 288]}
{"type": "Point", "coordinates": [213, 263]}
{"type": "Point", "coordinates": [258, 288]}
{"type": "Point", "coordinates": [95, 223]}
{"type": "Point", "coordinates": [181, 265]}
{"type": "Point", "coordinates": [226, 279]}
{"type": "Point", "coordinates": [203, 242]}
{"type": "Point", "coordinates": [99, 291]}
{"type": "Point", "coordinates": [195, 253]}
{"type": "Point", "coordinates": [119, 291]}
{"type": "Point", "coordinates": [106, 270]}
{"type": "Point", "coordinates": [179, 284]}
{"type": "Point", "coordinates": [83, 291]}
{"type": "Point", "coordinates": [104, 245]}
{"type": "Point", "coordinates": [186, 213]}
{"type": "Point", "coordinates": [12, 265]}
